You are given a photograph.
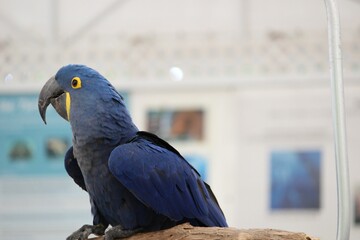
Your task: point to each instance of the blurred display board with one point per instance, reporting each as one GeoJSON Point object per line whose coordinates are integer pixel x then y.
{"type": "Point", "coordinates": [27, 145]}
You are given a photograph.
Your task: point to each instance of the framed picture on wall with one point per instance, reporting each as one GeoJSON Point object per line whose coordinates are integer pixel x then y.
{"type": "Point", "coordinates": [182, 125]}
{"type": "Point", "coordinates": [200, 163]}
{"type": "Point", "coordinates": [357, 206]}
{"type": "Point", "coordinates": [295, 179]}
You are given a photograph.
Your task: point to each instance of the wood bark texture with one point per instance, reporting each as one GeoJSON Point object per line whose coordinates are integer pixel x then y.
{"type": "Point", "coordinates": [188, 232]}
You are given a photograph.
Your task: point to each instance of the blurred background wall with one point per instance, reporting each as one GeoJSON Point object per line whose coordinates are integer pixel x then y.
{"type": "Point", "coordinates": [240, 87]}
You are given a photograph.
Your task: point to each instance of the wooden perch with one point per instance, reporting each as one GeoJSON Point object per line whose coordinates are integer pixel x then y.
{"type": "Point", "coordinates": [188, 232]}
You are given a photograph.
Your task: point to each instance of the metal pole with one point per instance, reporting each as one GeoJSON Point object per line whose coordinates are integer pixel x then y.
{"type": "Point", "coordinates": [342, 171]}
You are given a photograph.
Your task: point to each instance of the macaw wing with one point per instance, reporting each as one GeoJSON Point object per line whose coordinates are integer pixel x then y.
{"type": "Point", "coordinates": [163, 180]}
{"type": "Point", "coordinates": [73, 169]}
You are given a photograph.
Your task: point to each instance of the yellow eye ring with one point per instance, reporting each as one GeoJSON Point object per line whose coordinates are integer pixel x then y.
{"type": "Point", "coordinates": [76, 83]}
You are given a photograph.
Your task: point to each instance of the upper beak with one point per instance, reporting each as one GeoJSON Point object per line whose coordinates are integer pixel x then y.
{"type": "Point", "coordinates": [54, 94]}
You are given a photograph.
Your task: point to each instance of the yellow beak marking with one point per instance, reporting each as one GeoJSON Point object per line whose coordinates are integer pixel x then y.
{"type": "Point", "coordinates": [67, 104]}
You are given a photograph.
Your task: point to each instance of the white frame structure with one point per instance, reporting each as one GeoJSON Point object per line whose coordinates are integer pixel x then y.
{"type": "Point", "coordinates": [339, 125]}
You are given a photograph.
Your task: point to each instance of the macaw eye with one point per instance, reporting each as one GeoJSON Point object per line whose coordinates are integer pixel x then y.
{"type": "Point", "coordinates": [76, 83]}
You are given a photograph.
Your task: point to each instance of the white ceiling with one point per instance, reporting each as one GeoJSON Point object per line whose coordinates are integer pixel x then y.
{"type": "Point", "coordinates": [68, 19]}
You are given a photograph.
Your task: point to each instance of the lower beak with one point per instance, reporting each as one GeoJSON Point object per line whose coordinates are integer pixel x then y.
{"type": "Point", "coordinates": [60, 104]}
{"type": "Point", "coordinates": [54, 94]}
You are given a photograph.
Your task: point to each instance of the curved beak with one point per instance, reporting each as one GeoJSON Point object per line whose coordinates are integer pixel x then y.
{"type": "Point", "coordinates": [54, 94]}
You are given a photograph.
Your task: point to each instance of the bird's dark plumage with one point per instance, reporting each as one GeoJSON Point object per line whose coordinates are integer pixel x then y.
{"type": "Point", "coordinates": [73, 169]}
{"type": "Point", "coordinates": [171, 187]}
{"type": "Point", "coordinates": [136, 181]}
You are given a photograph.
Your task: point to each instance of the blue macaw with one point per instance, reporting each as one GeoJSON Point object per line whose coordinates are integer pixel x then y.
{"type": "Point", "coordinates": [136, 181]}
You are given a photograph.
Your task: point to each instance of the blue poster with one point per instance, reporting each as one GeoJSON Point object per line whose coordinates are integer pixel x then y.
{"type": "Point", "coordinates": [295, 179]}
{"type": "Point", "coordinates": [200, 163]}
{"type": "Point", "coordinates": [27, 145]}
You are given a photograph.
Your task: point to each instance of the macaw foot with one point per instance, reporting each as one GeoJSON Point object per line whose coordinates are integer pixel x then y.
{"type": "Point", "coordinates": [118, 232]}
{"type": "Point", "coordinates": [86, 230]}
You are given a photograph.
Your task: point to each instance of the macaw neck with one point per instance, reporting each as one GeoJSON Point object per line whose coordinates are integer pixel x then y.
{"type": "Point", "coordinates": [96, 136]}
{"type": "Point", "coordinates": [106, 124]}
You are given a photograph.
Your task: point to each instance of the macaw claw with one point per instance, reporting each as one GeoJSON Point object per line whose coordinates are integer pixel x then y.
{"type": "Point", "coordinates": [84, 232]}
{"type": "Point", "coordinates": [118, 232]}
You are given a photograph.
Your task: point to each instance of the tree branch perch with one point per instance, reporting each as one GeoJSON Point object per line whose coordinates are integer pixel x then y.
{"type": "Point", "coordinates": [188, 232]}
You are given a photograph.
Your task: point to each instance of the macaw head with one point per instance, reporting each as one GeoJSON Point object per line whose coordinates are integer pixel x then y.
{"type": "Point", "coordinates": [74, 86]}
